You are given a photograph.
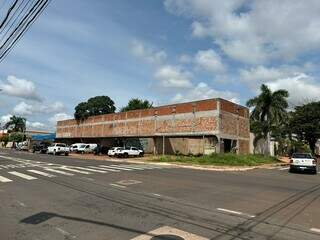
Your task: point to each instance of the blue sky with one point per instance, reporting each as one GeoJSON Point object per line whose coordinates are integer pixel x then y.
{"type": "Point", "coordinates": [164, 51]}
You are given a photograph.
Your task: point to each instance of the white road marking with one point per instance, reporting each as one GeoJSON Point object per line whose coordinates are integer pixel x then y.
{"type": "Point", "coordinates": [108, 168]}
{"type": "Point", "coordinates": [41, 173]}
{"type": "Point", "coordinates": [3, 179]}
{"type": "Point", "coordinates": [74, 170]}
{"type": "Point", "coordinates": [128, 182]}
{"type": "Point", "coordinates": [65, 233]}
{"type": "Point", "coordinates": [128, 167]}
{"type": "Point", "coordinates": [285, 168]}
{"type": "Point", "coordinates": [58, 171]}
{"type": "Point", "coordinates": [166, 230]}
{"type": "Point", "coordinates": [116, 185]}
{"type": "Point", "coordinates": [155, 194]}
{"type": "Point", "coordinates": [118, 168]}
{"type": "Point", "coordinates": [234, 212]}
{"type": "Point", "coordinates": [90, 170]}
{"type": "Point", "coordinates": [144, 166]}
{"type": "Point", "coordinates": [317, 230]}
{"type": "Point", "coordinates": [21, 203]}
{"type": "Point", "coordinates": [22, 175]}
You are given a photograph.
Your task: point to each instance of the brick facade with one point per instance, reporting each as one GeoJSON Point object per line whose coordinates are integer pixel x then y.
{"type": "Point", "coordinates": [206, 118]}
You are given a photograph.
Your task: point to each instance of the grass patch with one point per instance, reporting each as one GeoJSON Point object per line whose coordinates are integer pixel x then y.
{"type": "Point", "coordinates": [227, 159]}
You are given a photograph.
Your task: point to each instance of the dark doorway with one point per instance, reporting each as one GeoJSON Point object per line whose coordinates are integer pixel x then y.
{"type": "Point", "coordinates": [227, 145]}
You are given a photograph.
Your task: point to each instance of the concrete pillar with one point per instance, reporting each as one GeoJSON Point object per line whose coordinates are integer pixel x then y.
{"type": "Point", "coordinates": [163, 145]}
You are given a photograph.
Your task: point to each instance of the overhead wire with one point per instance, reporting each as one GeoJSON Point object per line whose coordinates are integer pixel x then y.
{"type": "Point", "coordinates": [30, 12]}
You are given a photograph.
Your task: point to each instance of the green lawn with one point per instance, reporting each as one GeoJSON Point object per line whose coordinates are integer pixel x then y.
{"type": "Point", "coordinates": [227, 159]}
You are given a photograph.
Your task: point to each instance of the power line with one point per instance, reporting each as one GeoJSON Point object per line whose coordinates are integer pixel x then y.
{"type": "Point", "coordinates": [30, 12]}
{"type": "Point", "coordinates": [8, 13]}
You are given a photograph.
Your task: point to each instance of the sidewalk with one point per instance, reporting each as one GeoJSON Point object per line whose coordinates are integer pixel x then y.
{"type": "Point", "coordinates": [146, 160]}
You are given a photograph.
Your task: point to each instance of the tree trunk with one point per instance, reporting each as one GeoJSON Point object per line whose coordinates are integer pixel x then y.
{"type": "Point", "coordinates": [312, 145]}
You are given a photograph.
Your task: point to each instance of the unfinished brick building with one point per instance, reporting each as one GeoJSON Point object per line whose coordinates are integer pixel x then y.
{"type": "Point", "coordinates": [200, 127]}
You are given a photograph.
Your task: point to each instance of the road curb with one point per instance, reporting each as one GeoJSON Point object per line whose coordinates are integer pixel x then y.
{"type": "Point", "coordinates": [195, 167]}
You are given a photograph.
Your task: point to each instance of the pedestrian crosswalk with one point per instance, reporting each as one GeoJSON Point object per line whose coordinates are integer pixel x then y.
{"type": "Point", "coordinates": [40, 170]}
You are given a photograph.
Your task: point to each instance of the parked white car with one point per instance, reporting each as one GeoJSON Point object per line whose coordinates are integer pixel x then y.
{"type": "Point", "coordinates": [303, 162]}
{"type": "Point", "coordinates": [129, 151]}
{"type": "Point", "coordinates": [86, 148]}
{"type": "Point", "coordinates": [112, 151]}
{"type": "Point", "coordinates": [23, 146]}
{"type": "Point", "coordinates": [58, 148]}
{"type": "Point", "coordinates": [74, 147]}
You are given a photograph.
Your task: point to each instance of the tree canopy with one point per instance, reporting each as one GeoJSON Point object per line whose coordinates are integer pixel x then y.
{"type": "Point", "coordinates": [16, 124]}
{"type": "Point", "coordinates": [94, 106]}
{"type": "Point", "coordinates": [136, 103]}
{"type": "Point", "coordinates": [305, 123]}
{"type": "Point", "coordinates": [269, 111]}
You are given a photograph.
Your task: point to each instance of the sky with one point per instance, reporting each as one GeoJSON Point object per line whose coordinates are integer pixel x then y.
{"type": "Point", "coordinates": [166, 51]}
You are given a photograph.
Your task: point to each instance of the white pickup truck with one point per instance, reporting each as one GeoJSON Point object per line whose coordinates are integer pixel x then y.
{"type": "Point", "coordinates": [58, 148]}
{"type": "Point", "coordinates": [129, 151]}
{"type": "Point", "coordinates": [303, 162]}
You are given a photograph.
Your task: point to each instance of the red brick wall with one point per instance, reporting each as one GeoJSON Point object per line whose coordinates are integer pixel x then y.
{"type": "Point", "coordinates": [175, 119]}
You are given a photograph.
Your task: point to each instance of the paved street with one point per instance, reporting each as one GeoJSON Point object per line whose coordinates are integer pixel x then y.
{"type": "Point", "coordinates": [56, 197]}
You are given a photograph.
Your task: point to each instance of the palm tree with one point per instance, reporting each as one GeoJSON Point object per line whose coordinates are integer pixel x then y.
{"type": "Point", "coordinates": [16, 124]}
{"type": "Point", "coordinates": [269, 112]}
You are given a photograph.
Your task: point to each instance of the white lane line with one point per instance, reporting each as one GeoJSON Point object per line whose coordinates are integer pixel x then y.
{"type": "Point", "coordinates": [317, 230]}
{"type": "Point", "coordinates": [65, 233]}
{"type": "Point", "coordinates": [3, 179]}
{"type": "Point", "coordinates": [142, 167]}
{"type": "Point", "coordinates": [234, 212]}
{"type": "Point", "coordinates": [99, 168]}
{"type": "Point", "coordinates": [90, 170]}
{"type": "Point", "coordinates": [41, 173]}
{"type": "Point", "coordinates": [74, 170]}
{"type": "Point", "coordinates": [285, 168]}
{"type": "Point", "coordinates": [109, 169]}
{"type": "Point", "coordinates": [58, 171]}
{"type": "Point", "coordinates": [21, 203]}
{"type": "Point", "coordinates": [116, 185]}
{"type": "Point", "coordinates": [22, 175]}
{"type": "Point", "coordinates": [117, 168]}
{"type": "Point", "coordinates": [128, 167]}
{"type": "Point", "coordinates": [155, 194]}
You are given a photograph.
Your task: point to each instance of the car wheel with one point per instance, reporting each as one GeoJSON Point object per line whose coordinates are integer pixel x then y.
{"type": "Point", "coordinates": [291, 170]}
{"type": "Point", "coordinates": [66, 154]}
{"type": "Point", "coordinates": [140, 154]}
{"type": "Point", "coordinates": [126, 155]}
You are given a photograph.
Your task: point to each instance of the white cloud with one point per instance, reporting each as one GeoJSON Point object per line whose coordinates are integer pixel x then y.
{"type": "Point", "coordinates": [260, 74]}
{"type": "Point", "coordinates": [203, 91]}
{"type": "Point", "coordinates": [173, 77]}
{"type": "Point", "coordinates": [20, 88]}
{"type": "Point", "coordinates": [148, 53]}
{"type": "Point", "coordinates": [4, 119]}
{"type": "Point", "coordinates": [301, 88]}
{"type": "Point", "coordinates": [254, 31]}
{"type": "Point", "coordinates": [26, 109]}
{"type": "Point", "coordinates": [209, 60]}
{"type": "Point", "coordinates": [59, 117]}
{"type": "Point", "coordinates": [35, 125]}
{"type": "Point", "coordinates": [184, 58]}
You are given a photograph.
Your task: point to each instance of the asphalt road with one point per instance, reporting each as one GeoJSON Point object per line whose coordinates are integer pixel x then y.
{"type": "Point", "coordinates": [56, 197]}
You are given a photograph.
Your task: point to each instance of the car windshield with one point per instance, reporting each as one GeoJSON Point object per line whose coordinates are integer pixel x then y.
{"type": "Point", "coordinates": [301, 155]}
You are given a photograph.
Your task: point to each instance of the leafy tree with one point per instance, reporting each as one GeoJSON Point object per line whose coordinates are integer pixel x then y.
{"type": "Point", "coordinates": [94, 106]}
{"type": "Point", "coordinates": [136, 103]}
{"type": "Point", "coordinates": [16, 124]}
{"type": "Point", "coordinates": [17, 137]}
{"type": "Point", "coordinates": [269, 112]}
{"type": "Point", "coordinates": [305, 123]}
